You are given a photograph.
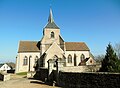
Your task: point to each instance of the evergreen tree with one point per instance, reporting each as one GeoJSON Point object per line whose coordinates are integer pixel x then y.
{"type": "Point", "coordinates": [110, 63]}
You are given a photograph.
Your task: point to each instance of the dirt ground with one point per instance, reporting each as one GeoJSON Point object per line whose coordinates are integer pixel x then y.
{"type": "Point", "coordinates": [23, 82]}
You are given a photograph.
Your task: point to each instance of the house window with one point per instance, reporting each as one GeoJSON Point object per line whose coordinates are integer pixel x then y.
{"type": "Point", "coordinates": [82, 57]}
{"type": "Point", "coordinates": [69, 58]}
{"type": "Point", "coordinates": [25, 61]}
{"type": "Point", "coordinates": [52, 35]}
{"type": "Point", "coordinates": [4, 68]}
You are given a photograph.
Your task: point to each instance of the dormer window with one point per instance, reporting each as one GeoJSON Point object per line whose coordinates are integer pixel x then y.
{"type": "Point", "coordinates": [52, 35]}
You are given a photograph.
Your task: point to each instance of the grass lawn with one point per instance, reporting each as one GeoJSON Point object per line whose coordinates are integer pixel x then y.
{"type": "Point", "coordinates": [22, 73]}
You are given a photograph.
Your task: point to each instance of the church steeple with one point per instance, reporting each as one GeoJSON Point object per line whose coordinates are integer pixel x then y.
{"type": "Point", "coordinates": [51, 24]}
{"type": "Point", "coordinates": [50, 19]}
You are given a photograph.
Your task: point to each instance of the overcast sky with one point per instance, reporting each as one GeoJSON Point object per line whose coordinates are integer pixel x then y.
{"type": "Point", "coordinates": [95, 22]}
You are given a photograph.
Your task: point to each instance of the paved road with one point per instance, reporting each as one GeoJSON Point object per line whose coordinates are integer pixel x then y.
{"type": "Point", "coordinates": [24, 83]}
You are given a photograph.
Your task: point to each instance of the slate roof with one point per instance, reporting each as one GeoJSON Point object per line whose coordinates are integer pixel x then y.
{"type": "Point", "coordinates": [11, 64]}
{"type": "Point", "coordinates": [28, 46]}
{"type": "Point", "coordinates": [76, 46]}
{"type": "Point", "coordinates": [52, 25]}
{"type": "Point", "coordinates": [1, 65]}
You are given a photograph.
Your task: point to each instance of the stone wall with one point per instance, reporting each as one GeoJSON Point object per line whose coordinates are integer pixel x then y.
{"type": "Point", "coordinates": [11, 71]}
{"type": "Point", "coordinates": [41, 74]}
{"type": "Point", "coordinates": [84, 68]}
{"type": "Point", "coordinates": [30, 74]}
{"type": "Point", "coordinates": [89, 80]}
{"type": "Point", "coordinates": [4, 76]}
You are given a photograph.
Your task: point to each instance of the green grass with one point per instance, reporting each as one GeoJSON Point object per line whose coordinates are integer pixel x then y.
{"type": "Point", "coordinates": [22, 73]}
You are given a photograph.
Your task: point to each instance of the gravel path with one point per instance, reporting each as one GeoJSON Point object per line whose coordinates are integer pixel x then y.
{"type": "Point", "coordinates": [20, 82]}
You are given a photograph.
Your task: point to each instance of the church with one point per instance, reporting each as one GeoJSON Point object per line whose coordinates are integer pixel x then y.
{"type": "Point", "coordinates": [51, 46]}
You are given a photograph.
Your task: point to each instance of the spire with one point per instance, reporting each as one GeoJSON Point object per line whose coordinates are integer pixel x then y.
{"type": "Point", "coordinates": [50, 19]}
{"type": "Point", "coordinates": [51, 23]}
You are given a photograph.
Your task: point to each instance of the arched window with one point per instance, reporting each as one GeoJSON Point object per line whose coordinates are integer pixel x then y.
{"type": "Point", "coordinates": [30, 59]}
{"type": "Point", "coordinates": [75, 63]}
{"type": "Point", "coordinates": [55, 58]}
{"type": "Point", "coordinates": [25, 60]}
{"type": "Point", "coordinates": [69, 58]}
{"type": "Point", "coordinates": [36, 58]}
{"type": "Point", "coordinates": [82, 57]}
{"type": "Point", "coordinates": [29, 65]}
{"type": "Point", "coordinates": [52, 35]}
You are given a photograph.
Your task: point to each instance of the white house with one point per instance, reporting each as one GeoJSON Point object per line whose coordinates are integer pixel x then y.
{"type": "Point", "coordinates": [4, 67]}
{"type": "Point", "coordinates": [51, 46]}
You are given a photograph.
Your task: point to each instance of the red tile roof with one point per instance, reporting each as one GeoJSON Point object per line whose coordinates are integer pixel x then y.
{"type": "Point", "coordinates": [28, 46]}
{"type": "Point", "coordinates": [31, 46]}
{"type": "Point", "coordinates": [76, 46]}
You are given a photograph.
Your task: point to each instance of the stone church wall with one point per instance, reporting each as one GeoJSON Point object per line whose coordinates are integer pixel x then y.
{"type": "Point", "coordinates": [89, 80]}
{"type": "Point", "coordinates": [19, 61]}
{"type": "Point", "coordinates": [78, 56]}
{"type": "Point", "coordinates": [47, 36]}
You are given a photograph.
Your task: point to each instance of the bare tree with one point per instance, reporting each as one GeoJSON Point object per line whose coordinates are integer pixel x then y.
{"type": "Point", "coordinates": [117, 49]}
{"type": "Point", "coordinates": [99, 58]}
